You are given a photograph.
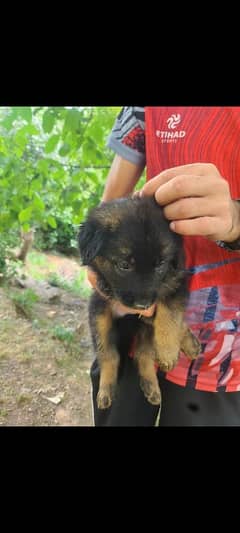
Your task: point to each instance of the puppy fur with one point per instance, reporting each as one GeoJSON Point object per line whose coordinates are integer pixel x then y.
{"type": "Point", "coordinates": [139, 262]}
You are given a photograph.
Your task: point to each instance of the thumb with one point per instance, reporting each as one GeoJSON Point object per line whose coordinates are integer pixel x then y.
{"type": "Point", "coordinates": [92, 277]}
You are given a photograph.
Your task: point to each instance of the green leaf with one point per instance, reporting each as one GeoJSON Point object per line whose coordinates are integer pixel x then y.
{"type": "Point", "coordinates": [60, 112]}
{"type": "Point", "coordinates": [96, 132]}
{"type": "Point", "coordinates": [99, 155]}
{"type": "Point", "coordinates": [36, 110]}
{"type": "Point", "coordinates": [31, 129]}
{"type": "Point", "coordinates": [24, 112]}
{"type": "Point", "coordinates": [77, 206]}
{"type": "Point", "coordinates": [26, 130]}
{"type": "Point", "coordinates": [77, 218]}
{"type": "Point", "coordinates": [51, 221]}
{"type": "Point", "coordinates": [72, 120]}
{"type": "Point", "coordinates": [18, 151]}
{"type": "Point", "coordinates": [25, 215]}
{"type": "Point", "coordinates": [48, 121]}
{"type": "Point", "coordinates": [3, 148]}
{"type": "Point", "coordinates": [53, 163]}
{"type": "Point", "coordinates": [8, 121]}
{"type": "Point", "coordinates": [43, 166]}
{"type": "Point", "coordinates": [59, 174]}
{"type": "Point", "coordinates": [65, 149]}
{"type": "Point", "coordinates": [26, 227]}
{"type": "Point", "coordinates": [51, 143]}
{"type": "Point", "coordinates": [36, 185]}
{"type": "Point", "coordinates": [38, 202]}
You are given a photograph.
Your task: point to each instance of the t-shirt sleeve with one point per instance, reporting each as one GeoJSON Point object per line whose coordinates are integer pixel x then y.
{"type": "Point", "coordinates": [127, 138]}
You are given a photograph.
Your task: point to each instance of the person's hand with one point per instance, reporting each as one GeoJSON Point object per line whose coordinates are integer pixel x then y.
{"type": "Point", "coordinates": [92, 278]}
{"type": "Point", "coordinates": [119, 307]}
{"type": "Point", "coordinates": [197, 201]}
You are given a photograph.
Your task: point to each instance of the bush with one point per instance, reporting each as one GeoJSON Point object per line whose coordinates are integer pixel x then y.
{"type": "Point", "coordinates": [7, 266]}
{"type": "Point", "coordinates": [63, 238]}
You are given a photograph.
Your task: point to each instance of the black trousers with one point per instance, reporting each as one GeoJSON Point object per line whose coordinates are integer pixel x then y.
{"type": "Point", "coordinates": [181, 406]}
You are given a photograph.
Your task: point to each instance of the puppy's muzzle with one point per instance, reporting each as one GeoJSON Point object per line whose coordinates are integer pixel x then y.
{"type": "Point", "coordinates": [142, 306]}
{"type": "Point", "coordinates": [140, 302]}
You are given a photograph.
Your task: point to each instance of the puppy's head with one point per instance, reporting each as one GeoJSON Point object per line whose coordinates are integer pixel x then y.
{"type": "Point", "coordinates": [128, 243]}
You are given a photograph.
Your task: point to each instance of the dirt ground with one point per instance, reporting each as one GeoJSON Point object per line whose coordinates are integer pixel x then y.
{"type": "Point", "coordinates": [44, 377]}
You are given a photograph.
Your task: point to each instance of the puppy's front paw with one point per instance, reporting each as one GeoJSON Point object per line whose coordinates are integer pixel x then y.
{"type": "Point", "coordinates": [151, 391]}
{"type": "Point", "coordinates": [105, 397]}
{"type": "Point", "coordinates": [190, 345]}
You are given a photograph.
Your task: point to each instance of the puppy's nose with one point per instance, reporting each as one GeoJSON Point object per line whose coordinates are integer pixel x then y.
{"type": "Point", "coordinates": [145, 301]}
{"type": "Point", "coordinates": [139, 301]}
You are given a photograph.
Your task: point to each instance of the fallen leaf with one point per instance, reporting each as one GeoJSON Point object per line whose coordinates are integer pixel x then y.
{"type": "Point", "coordinates": [55, 399]}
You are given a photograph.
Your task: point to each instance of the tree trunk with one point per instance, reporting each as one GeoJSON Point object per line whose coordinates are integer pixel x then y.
{"type": "Point", "coordinates": [27, 241]}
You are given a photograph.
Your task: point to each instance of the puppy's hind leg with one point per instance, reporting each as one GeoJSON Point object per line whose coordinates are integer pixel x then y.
{"type": "Point", "coordinates": [145, 356]}
{"type": "Point", "coordinates": [190, 345]}
{"type": "Point", "coordinates": [108, 356]}
{"type": "Point", "coordinates": [109, 364]}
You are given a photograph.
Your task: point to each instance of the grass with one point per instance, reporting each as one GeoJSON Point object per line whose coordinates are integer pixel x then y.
{"type": "Point", "coordinates": [70, 340]}
{"type": "Point", "coordinates": [79, 285]}
{"type": "Point", "coordinates": [66, 363]}
{"type": "Point", "coordinates": [37, 259]}
{"type": "Point", "coordinates": [30, 356]}
{"type": "Point", "coordinates": [63, 334]}
{"type": "Point", "coordinates": [37, 262]}
{"type": "Point", "coordinates": [4, 355]}
{"type": "Point", "coordinates": [40, 268]}
{"type": "Point", "coordinates": [63, 362]}
{"type": "Point", "coordinates": [24, 300]}
{"type": "Point", "coordinates": [75, 286]}
{"type": "Point", "coordinates": [22, 399]}
{"type": "Point", "coordinates": [25, 358]}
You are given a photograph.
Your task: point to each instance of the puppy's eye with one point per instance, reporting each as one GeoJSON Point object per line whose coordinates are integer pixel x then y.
{"type": "Point", "coordinates": [159, 265]}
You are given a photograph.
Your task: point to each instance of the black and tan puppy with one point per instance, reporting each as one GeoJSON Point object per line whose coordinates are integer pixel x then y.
{"type": "Point", "coordinates": [139, 262]}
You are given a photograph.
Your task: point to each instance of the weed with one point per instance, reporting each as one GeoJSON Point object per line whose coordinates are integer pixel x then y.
{"type": "Point", "coordinates": [24, 301]}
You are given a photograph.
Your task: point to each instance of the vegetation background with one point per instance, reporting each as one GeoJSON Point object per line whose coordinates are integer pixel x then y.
{"type": "Point", "coordinates": [53, 166]}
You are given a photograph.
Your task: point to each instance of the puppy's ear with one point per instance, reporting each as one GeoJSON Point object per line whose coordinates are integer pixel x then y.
{"type": "Point", "coordinates": [91, 239]}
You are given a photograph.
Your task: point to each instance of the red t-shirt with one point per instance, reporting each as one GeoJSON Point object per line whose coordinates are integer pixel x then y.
{"type": "Point", "coordinates": [182, 135]}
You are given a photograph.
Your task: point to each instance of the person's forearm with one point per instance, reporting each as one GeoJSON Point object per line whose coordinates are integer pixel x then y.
{"type": "Point", "coordinates": [121, 179]}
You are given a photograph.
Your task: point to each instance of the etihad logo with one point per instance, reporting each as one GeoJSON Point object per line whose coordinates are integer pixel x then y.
{"type": "Point", "coordinates": [173, 121]}
{"type": "Point", "coordinates": [168, 135]}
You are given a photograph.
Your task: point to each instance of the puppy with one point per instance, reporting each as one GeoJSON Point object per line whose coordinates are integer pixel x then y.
{"type": "Point", "coordinates": [139, 263]}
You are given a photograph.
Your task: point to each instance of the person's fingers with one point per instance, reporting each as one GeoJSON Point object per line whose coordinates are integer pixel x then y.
{"type": "Point", "coordinates": [92, 277]}
{"type": "Point", "coordinates": [123, 309]}
{"type": "Point", "coordinates": [188, 208]}
{"type": "Point", "coordinates": [148, 312]}
{"type": "Point", "coordinates": [183, 187]}
{"type": "Point", "coordinates": [194, 169]}
{"type": "Point", "coordinates": [206, 226]}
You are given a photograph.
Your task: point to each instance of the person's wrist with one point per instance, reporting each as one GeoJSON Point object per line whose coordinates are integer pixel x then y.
{"type": "Point", "coordinates": [232, 240]}
{"type": "Point", "coordinates": [234, 234]}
